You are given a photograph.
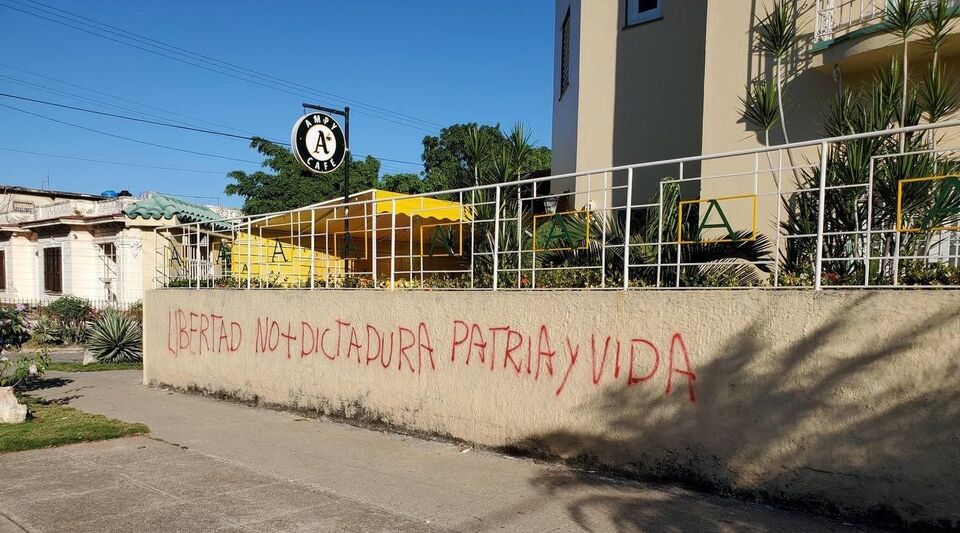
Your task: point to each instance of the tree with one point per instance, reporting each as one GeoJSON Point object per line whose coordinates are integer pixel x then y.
{"type": "Point", "coordinates": [405, 183]}
{"type": "Point", "coordinates": [289, 186]}
{"type": "Point", "coordinates": [465, 154]}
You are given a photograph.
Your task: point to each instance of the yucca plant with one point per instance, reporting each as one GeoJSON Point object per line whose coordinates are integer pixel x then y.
{"type": "Point", "coordinates": [903, 18]}
{"type": "Point", "coordinates": [476, 150]}
{"type": "Point", "coordinates": [940, 24]}
{"type": "Point", "coordinates": [777, 36]}
{"type": "Point", "coordinates": [115, 338]}
{"type": "Point", "coordinates": [761, 107]}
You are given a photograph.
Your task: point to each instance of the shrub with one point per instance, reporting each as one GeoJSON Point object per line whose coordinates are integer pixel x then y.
{"type": "Point", "coordinates": [46, 332]}
{"type": "Point", "coordinates": [115, 338]}
{"type": "Point", "coordinates": [136, 311]}
{"type": "Point", "coordinates": [13, 333]}
{"type": "Point", "coordinates": [71, 314]}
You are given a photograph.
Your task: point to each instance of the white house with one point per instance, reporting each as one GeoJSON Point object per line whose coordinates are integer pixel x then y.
{"type": "Point", "coordinates": [54, 243]}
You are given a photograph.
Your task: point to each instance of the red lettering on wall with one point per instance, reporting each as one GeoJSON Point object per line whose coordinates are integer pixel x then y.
{"type": "Point", "coordinates": [573, 353]}
{"type": "Point", "coordinates": [687, 370]}
{"type": "Point", "coordinates": [458, 341]}
{"type": "Point", "coordinates": [635, 346]}
{"type": "Point", "coordinates": [371, 333]}
{"type": "Point", "coordinates": [423, 342]}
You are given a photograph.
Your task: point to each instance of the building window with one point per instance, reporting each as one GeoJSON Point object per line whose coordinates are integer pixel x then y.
{"type": "Point", "coordinates": [640, 11]}
{"type": "Point", "coordinates": [565, 54]}
{"type": "Point", "coordinates": [3, 270]}
{"type": "Point", "coordinates": [22, 207]}
{"type": "Point", "coordinates": [52, 270]}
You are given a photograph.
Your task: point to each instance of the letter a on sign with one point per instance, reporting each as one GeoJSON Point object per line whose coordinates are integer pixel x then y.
{"type": "Point", "coordinates": [278, 251]}
{"type": "Point", "coordinates": [723, 223]}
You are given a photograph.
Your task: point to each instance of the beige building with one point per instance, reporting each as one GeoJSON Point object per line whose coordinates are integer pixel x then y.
{"type": "Point", "coordinates": [649, 80]}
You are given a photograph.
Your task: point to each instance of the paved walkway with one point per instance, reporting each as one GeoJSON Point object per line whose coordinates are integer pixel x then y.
{"type": "Point", "coordinates": [212, 465]}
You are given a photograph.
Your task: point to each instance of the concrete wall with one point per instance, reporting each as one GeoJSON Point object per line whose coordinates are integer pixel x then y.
{"type": "Point", "coordinates": [844, 401]}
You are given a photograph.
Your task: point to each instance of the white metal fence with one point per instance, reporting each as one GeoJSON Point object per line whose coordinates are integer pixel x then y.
{"type": "Point", "coordinates": [879, 209]}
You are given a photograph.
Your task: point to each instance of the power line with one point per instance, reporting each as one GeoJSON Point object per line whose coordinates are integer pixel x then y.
{"type": "Point", "coordinates": [131, 139]}
{"type": "Point", "coordinates": [134, 119]}
{"type": "Point", "coordinates": [113, 96]}
{"type": "Point", "coordinates": [85, 98]}
{"type": "Point", "coordinates": [172, 47]}
{"type": "Point", "coordinates": [118, 163]}
{"type": "Point", "coordinates": [205, 62]}
{"type": "Point", "coordinates": [176, 126]}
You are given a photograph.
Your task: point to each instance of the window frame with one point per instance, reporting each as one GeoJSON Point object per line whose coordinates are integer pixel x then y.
{"type": "Point", "coordinates": [3, 270]}
{"type": "Point", "coordinates": [635, 18]}
{"type": "Point", "coordinates": [47, 277]}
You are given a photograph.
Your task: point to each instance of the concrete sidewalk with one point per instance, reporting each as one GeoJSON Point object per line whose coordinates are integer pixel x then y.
{"type": "Point", "coordinates": [213, 465]}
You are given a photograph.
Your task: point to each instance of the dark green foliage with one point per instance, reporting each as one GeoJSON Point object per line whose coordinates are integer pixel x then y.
{"type": "Point", "coordinates": [15, 369]}
{"type": "Point", "coordinates": [71, 314]}
{"type": "Point", "coordinates": [925, 204]}
{"type": "Point", "coordinates": [285, 185]}
{"type": "Point", "coordinates": [451, 158]}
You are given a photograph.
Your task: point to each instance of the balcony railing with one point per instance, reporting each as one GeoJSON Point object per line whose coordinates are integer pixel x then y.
{"type": "Point", "coordinates": [838, 17]}
{"type": "Point", "coordinates": [83, 208]}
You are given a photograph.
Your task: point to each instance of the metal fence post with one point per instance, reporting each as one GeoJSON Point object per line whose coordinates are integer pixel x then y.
{"type": "Point", "coordinates": [821, 208]}
{"type": "Point", "coordinates": [626, 230]}
{"type": "Point", "coordinates": [393, 243]}
{"type": "Point", "coordinates": [313, 249]}
{"type": "Point", "coordinates": [249, 250]}
{"type": "Point", "coordinates": [197, 260]}
{"type": "Point", "coordinates": [496, 236]}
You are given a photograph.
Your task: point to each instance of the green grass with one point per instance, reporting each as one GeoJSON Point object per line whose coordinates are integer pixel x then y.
{"type": "Point", "coordinates": [94, 367]}
{"type": "Point", "coordinates": [55, 425]}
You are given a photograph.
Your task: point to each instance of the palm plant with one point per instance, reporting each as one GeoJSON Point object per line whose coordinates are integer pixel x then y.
{"type": "Point", "coordinates": [777, 35]}
{"type": "Point", "coordinates": [115, 338]}
{"type": "Point", "coordinates": [902, 18]}
{"type": "Point", "coordinates": [520, 147]}
{"type": "Point", "coordinates": [940, 23]}
{"type": "Point", "coordinates": [891, 158]}
{"type": "Point", "coordinates": [761, 107]}
{"type": "Point", "coordinates": [476, 150]}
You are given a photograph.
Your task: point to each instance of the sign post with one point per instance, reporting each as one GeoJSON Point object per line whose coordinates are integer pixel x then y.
{"type": "Point", "coordinates": [321, 146]}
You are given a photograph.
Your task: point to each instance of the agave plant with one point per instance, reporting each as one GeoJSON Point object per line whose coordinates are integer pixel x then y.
{"type": "Point", "coordinates": [115, 338]}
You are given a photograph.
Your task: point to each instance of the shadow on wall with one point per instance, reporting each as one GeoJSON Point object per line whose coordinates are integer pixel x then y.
{"type": "Point", "coordinates": [814, 422]}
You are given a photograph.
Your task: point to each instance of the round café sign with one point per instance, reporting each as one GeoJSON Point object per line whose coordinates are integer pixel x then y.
{"type": "Point", "coordinates": [318, 143]}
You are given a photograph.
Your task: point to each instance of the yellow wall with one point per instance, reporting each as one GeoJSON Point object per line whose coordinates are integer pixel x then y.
{"type": "Point", "coordinates": [279, 261]}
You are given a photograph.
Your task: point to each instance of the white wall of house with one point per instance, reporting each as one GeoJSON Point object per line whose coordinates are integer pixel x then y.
{"type": "Point", "coordinates": [84, 266]}
{"type": "Point", "coordinates": [20, 266]}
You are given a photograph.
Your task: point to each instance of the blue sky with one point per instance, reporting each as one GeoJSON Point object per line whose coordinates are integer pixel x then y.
{"type": "Point", "coordinates": [439, 62]}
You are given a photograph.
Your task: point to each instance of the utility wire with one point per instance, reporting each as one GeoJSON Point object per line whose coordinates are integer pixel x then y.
{"type": "Point", "coordinates": [134, 119]}
{"type": "Point", "coordinates": [183, 51]}
{"type": "Point", "coordinates": [118, 163]}
{"type": "Point", "coordinates": [87, 99]}
{"type": "Point", "coordinates": [131, 139]}
{"type": "Point", "coordinates": [115, 97]}
{"type": "Point", "coordinates": [219, 67]}
{"type": "Point", "coordinates": [168, 125]}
